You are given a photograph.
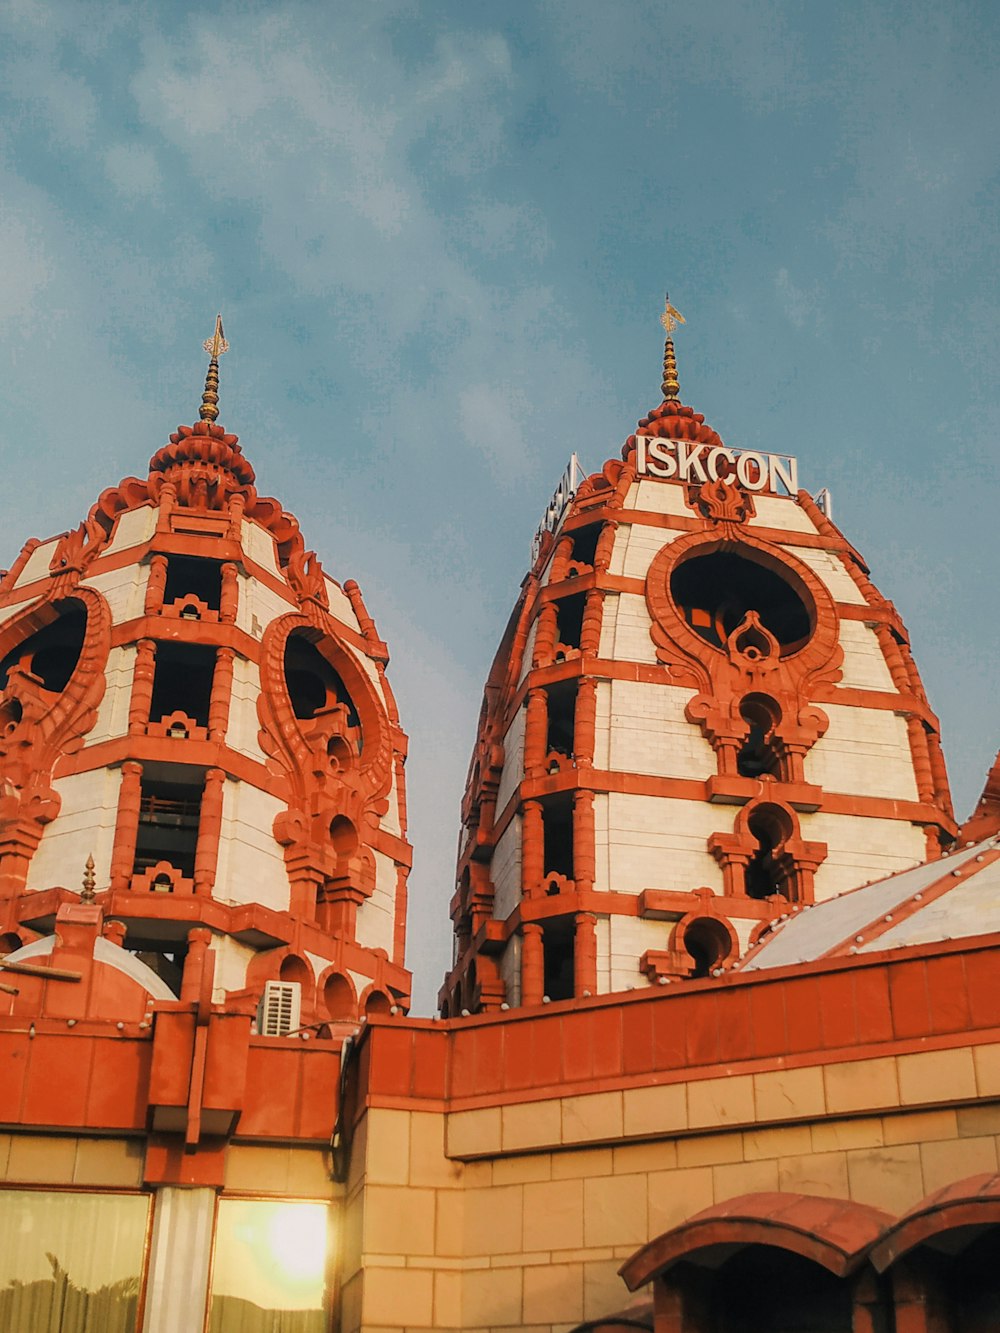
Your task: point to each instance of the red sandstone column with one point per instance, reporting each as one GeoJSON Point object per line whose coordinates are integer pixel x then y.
{"type": "Point", "coordinates": [229, 595]}
{"type": "Point", "coordinates": [156, 585]}
{"type": "Point", "coordinates": [126, 825]}
{"type": "Point", "coordinates": [222, 693]}
{"type": "Point", "coordinates": [142, 687]}
{"type": "Point", "coordinates": [585, 723]}
{"type": "Point", "coordinates": [536, 726]}
{"type": "Point", "coordinates": [206, 856]}
{"type": "Point", "coordinates": [585, 954]}
{"type": "Point", "coordinates": [584, 850]}
{"type": "Point", "coordinates": [167, 500]}
{"type": "Point", "coordinates": [590, 632]}
{"type": "Point", "coordinates": [605, 545]}
{"type": "Point", "coordinates": [546, 628]}
{"type": "Point", "coordinates": [561, 558]}
{"type": "Point", "coordinates": [14, 573]}
{"type": "Point", "coordinates": [532, 964]}
{"type": "Point", "coordinates": [237, 506]}
{"type": "Point", "coordinates": [532, 849]}
{"type": "Point", "coordinates": [198, 942]}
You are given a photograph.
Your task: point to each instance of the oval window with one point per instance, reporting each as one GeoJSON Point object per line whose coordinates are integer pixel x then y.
{"type": "Point", "coordinates": [714, 592]}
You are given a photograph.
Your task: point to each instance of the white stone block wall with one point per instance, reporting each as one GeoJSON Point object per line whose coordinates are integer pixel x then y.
{"type": "Point", "coordinates": [251, 866]}
{"type": "Point", "coordinates": [84, 826]}
{"type": "Point", "coordinates": [37, 564]}
{"type": "Point", "coordinates": [377, 915]}
{"type": "Point", "coordinates": [510, 970]}
{"type": "Point", "coordinates": [864, 665]}
{"type": "Point", "coordinates": [112, 712]}
{"type": "Point", "coordinates": [861, 849]}
{"type": "Point", "coordinates": [829, 568]}
{"type": "Point", "coordinates": [627, 624]}
{"type": "Point", "coordinates": [505, 869]}
{"type": "Point", "coordinates": [659, 842]}
{"type": "Point", "coordinates": [259, 545]}
{"type": "Point", "coordinates": [642, 546]}
{"type": "Point", "coordinates": [133, 527]}
{"type": "Point", "coordinates": [629, 938]}
{"type": "Point", "coordinates": [513, 764]}
{"type": "Point", "coordinates": [602, 845]}
{"type": "Point", "coordinates": [244, 724]}
{"type": "Point", "coordinates": [866, 752]}
{"type": "Point", "coordinates": [259, 605]}
{"type": "Point", "coordinates": [123, 589]}
{"type": "Point", "coordinates": [651, 735]}
{"type": "Point", "coordinates": [783, 512]}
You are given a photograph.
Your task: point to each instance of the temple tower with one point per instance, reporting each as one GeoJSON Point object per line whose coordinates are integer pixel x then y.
{"type": "Point", "coordinates": [186, 696]}
{"type": "Point", "coordinates": [702, 713]}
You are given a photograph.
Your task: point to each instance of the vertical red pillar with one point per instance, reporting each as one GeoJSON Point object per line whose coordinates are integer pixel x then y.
{"type": "Point", "coordinates": [593, 613]}
{"type": "Point", "coordinates": [536, 727]}
{"type": "Point", "coordinates": [585, 722]}
{"type": "Point", "coordinates": [546, 628]}
{"type": "Point", "coordinates": [585, 954]}
{"type": "Point", "coordinates": [222, 693]}
{"type": "Point", "coordinates": [532, 964]}
{"type": "Point", "coordinates": [156, 585]}
{"type": "Point", "coordinates": [561, 558]}
{"type": "Point", "coordinates": [229, 595]}
{"type": "Point", "coordinates": [126, 825]}
{"type": "Point", "coordinates": [142, 687]}
{"type": "Point", "coordinates": [206, 856]}
{"type": "Point", "coordinates": [198, 941]}
{"type": "Point", "coordinates": [605, 545]}
{"type": "Point", "coordinates": [584, 849]}
{"type": "Point", "coordinates": [532, 849]}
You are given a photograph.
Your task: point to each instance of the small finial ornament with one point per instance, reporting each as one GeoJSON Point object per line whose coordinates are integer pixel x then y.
{"type": "Point", "coordinates": [89, 881]}
{"type": "Point", "coordinates": [670, 319]}
{"type": "Point", "coordinates": [214, 346]}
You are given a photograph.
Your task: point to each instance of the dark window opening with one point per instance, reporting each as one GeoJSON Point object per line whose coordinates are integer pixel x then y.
{"type": "Point", "coordinates": [761, 1288]}
{"type": "Point", "coordinates": [52, 652]}
{"type": "Point", "coordinates": [183, 681]}
{"type": "Point", "coordinates": [557, 952]}
{"type": "Point", "coordinates": [186, 575]}
{"type": "Point", "coordinates": [164, 957]}
{"type": "Point", "coordinates": [585, 543]}
{"type": "Point", "coordinates": [715, 592]}
{"type": "Point", "coordinates": [569, 621]}
{"type": "Point", "coordinates": [313, 684]}
{"type": "Point", "coordinates": [757, 755]}
{"type": "Point", "coordinates": [707, 941]}
{"type": "Point", "coordinates": [561, 719]}
{"type": "Point", "coordinates": [168, 825]}
{"type": "Point", "coordinates": [557, 823]}
{"type": "Point", "coordinates": [762, 874]}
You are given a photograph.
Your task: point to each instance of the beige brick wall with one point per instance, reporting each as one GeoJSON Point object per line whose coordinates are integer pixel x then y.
{"type": "Point", "coordinates": [528, 1231]}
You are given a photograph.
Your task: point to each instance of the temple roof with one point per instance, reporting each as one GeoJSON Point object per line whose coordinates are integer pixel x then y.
{"type": "Point", "coordinates": [952, 898]}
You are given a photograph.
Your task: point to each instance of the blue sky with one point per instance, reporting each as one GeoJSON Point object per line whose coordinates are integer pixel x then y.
{"type": "Point", "coordinates": [440, 233]}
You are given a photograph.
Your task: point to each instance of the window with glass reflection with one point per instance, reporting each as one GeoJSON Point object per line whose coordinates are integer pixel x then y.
{"type": "Point", "coordinates": [269, 1273]}
{"type": "Point", "coordinates": [71, 1263]}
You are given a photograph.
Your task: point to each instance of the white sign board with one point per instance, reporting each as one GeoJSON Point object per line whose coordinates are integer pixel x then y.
{"type": "Point", "coordinates": [681, 460]}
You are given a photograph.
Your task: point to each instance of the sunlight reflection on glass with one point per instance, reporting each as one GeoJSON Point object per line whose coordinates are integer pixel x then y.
{"type": "Point", "coordinates": [270, 1258]}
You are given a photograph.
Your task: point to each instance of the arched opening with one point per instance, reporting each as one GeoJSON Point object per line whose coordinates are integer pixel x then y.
{"type": "Point", "coordinates": [339, 997]}
{"type": "Point", "coordinates": [313, 684]}
{"type": "Point", "coordinates": [714, 593]}
{"type": "Point", "coordinates": [377, 1003]}
{"type": "Point", "coordinates": [343, 837]}
{"type": "Point", "coordinates": [558, 939]}
{"type": "Point", "coordinates": [769, 826]}
{"type": "Point", "coordinates": [188, 575]}
{"type": "Point", "coordinates": [297, 969]}
{"type": "Point", "coordinates": [52, 652]}
{"type": "Point", "coordinates": [763, 1288]}
{"type": "Point", "coordinates": [758, 756]}
{"type": "Point", "coordinates": [708, 942]}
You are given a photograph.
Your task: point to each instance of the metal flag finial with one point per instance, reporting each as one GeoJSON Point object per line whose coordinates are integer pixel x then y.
{"type": "Point", "coordinates": [215, 347]}
{"type": "Point", "coordinates": [670, 319]}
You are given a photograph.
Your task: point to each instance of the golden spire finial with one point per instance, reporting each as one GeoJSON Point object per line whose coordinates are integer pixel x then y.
{"type": "Point", "coordinates": [89, 881]}
{"type": "Point", "coordinates": [670, 319]}
{"type": "Point", "coordinates": [214, 346]}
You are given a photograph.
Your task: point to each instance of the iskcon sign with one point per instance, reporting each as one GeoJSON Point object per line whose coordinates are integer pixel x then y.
{"type": "Point", "coordinates": [681, 460]}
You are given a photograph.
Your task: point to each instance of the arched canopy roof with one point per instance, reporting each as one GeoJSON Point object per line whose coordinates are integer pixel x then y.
{"type": "Point", "coordinates": [948, 1220]}
{"type": "Point", "coordinates": [834, 1233]}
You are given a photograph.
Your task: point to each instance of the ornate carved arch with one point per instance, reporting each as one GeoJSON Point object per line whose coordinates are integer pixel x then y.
{"type": "Point", "coordinates": [749, 661]}
{"type": "Point", "coordinates": [38, 725]}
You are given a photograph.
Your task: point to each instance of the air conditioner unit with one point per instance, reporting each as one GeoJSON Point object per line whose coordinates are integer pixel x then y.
{"type": "Point", "coordinates": [280, 1008]}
